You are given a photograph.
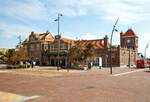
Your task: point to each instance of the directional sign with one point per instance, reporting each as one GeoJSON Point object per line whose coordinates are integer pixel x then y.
{"type": "Point", "coordinates": [57, 36]}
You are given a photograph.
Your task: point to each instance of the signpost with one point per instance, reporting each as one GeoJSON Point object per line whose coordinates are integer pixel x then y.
{"type": "Point", "coordinates": [100, 62]}
{"type": "Point", "coordinates": [106, 57]}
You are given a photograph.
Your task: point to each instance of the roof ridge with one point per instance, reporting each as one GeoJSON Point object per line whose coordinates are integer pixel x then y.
{"type": "Point", "coordinates": [93, 40]}
{"type": "Point", "coordinates": [129, 32]}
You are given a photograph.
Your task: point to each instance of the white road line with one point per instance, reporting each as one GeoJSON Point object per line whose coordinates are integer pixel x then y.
{"type": "Point", "coordinates": [3, 71]}
{"type": "Point", "coordinates": [128, 72]}
{"type": "Point", "coordinates": [26, 99]}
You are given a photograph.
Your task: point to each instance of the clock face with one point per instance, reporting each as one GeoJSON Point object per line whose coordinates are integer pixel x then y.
{"type": "Point", "coordinates": [128, 41]}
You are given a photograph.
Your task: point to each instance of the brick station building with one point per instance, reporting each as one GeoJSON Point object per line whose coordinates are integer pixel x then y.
{"type": "Point", "coordinates": [43, 48]}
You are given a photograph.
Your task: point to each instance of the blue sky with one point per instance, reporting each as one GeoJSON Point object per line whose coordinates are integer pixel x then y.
{"type": "Point", "coordinates": [82, 19]}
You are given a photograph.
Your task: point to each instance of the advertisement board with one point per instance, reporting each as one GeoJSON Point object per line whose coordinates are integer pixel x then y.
{"type": "Point", "coordinates": [100, 62]}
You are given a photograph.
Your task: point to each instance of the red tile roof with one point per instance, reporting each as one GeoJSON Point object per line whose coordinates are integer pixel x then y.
{"type": "Point", "coordinates": [45, 36]}
{"type": "Point", "coordinates": [130, 33]}
{"type": "Point", "coordinates": [68, 40]}
{"type": "Point", "coordinates": [99, 43]}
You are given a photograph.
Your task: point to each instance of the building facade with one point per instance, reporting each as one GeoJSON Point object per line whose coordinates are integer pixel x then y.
{"type": "Point", "coordinates": [43, 48]}
{"type": "Point", "coordinates": [124, 54]}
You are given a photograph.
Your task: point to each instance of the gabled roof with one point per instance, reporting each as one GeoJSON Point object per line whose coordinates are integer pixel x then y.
{"type": "Point", "coordinates": [68, 40]}
{"type": "Point", "coordinates": [130, 33]}
{"type": "Point", "coordinates": [98, 43]}
{"type": "Point", "coordinates": [44, 36]}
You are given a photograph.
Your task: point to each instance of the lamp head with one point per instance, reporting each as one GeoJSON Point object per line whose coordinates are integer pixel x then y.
{"type": "Point", "coordinates": [59, 14]}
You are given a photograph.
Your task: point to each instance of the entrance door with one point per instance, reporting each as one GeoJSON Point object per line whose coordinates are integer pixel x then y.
{"type": "Point", "coordinates": [52, 62]}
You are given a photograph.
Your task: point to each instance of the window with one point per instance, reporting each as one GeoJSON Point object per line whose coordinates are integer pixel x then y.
{"type": "Point", "coordinates": [37, 55]}
{"type": "Point", "coordinates": [56, 45]}
{"type": "Point", "coordinates": [63, 46]}
{"type": "Point", "coordinates": [38, 47]}
{"type": "Point", "coordinates": [25, 47]}
{"type": "Point", "coordinates": [32, 47]}
{"type": "Point", "coordinates": [52, 47]}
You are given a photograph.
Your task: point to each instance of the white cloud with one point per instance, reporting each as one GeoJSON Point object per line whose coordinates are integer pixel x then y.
{"type": "Point", "coordinates": [10, 30]}
{"type": "Point", "coordinates": [68, 11]}
{"type": "Point", "coordinates": [32, 9]}
{"type": "Point", "coordinates": [143, 41]}
{"type": "Point", "coordinates": [128, 11]}
{"type": "Point", "coordinates": [88, 36]}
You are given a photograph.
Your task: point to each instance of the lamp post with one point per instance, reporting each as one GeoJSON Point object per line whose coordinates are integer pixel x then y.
{"type": "Point", "coordinates": [58, 38]}
{"type": "Point", "coordinates": [129, 60]}
{"type": "Point", "coordinates": [111, 44]}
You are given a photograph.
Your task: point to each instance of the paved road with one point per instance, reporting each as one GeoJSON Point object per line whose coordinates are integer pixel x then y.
{"type": "Point", "coordinates": [85, 86]}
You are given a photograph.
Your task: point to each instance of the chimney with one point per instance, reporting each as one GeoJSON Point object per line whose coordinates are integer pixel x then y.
{"type": "Point", "coordinates": [121, 34]}
{"type": "Point", "coordinates": [32, 32]}
{"type": "Point", "coordinates": [106, 41]}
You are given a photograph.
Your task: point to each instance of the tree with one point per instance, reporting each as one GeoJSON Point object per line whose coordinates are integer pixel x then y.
{"type": "Point", "coordinates": [80, 52]}
{"type": "Point", "coordinates": [89, 51]}
{"type": "Point", "coordinates": [76, 52]}
{"type": "Point", "coordinates": [14, 57]}
{"type": "Point", "coordinates": [8, 55]}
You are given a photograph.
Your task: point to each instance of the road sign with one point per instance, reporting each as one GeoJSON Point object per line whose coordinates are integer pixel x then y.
{"type": "Point", "coordinates": [57, 36]}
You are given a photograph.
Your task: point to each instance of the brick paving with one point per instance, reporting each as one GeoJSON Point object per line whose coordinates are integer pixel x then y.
{"type": "Point", "coordinates": [83, 86]}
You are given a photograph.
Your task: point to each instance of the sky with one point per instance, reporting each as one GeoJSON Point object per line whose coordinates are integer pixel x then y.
{"type": "Point", "coordinates": [82, 19]}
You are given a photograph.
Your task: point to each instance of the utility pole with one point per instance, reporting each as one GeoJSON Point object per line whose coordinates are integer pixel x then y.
{"type": "Point", "coordinates": [111, 44]}
{"type": "Point", "coordinates": [129, 59]}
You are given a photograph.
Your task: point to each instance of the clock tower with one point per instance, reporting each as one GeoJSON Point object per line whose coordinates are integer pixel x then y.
{"type": "Point", "coordinates": [129, 39]}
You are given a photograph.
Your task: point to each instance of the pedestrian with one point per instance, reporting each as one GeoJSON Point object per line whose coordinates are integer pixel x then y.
{"type": "Point", "coordinates": [91, 64]}
{"type": "Point", "coordinates": [32, 64]}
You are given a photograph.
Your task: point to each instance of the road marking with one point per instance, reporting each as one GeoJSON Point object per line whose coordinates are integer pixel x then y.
{"type": "Point", "coordinates": [3, 71]}
{"type": "Point", "coordinates": [128, 72]}
{"type": "Point", "coordinates": [26, 99]}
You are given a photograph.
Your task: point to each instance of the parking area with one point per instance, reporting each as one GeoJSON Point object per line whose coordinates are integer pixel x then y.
{"type": "Point", "coordinates": [49, 85]}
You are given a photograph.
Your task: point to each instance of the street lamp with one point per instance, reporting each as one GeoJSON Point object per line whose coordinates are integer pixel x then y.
{"type": "Point", "coordinates": [58, 38]}
{"type": "Point", "coordinates": [111, 44]}
{"type": "Point", "coordinates": [129, 60]}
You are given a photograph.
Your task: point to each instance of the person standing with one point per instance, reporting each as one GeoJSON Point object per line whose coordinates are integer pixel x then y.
{"type": "Point", "coordinates": [32, 64]}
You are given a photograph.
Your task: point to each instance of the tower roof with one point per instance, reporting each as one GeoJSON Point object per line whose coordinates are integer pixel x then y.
{"type": "Point", "coordinates": [130, 33]}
